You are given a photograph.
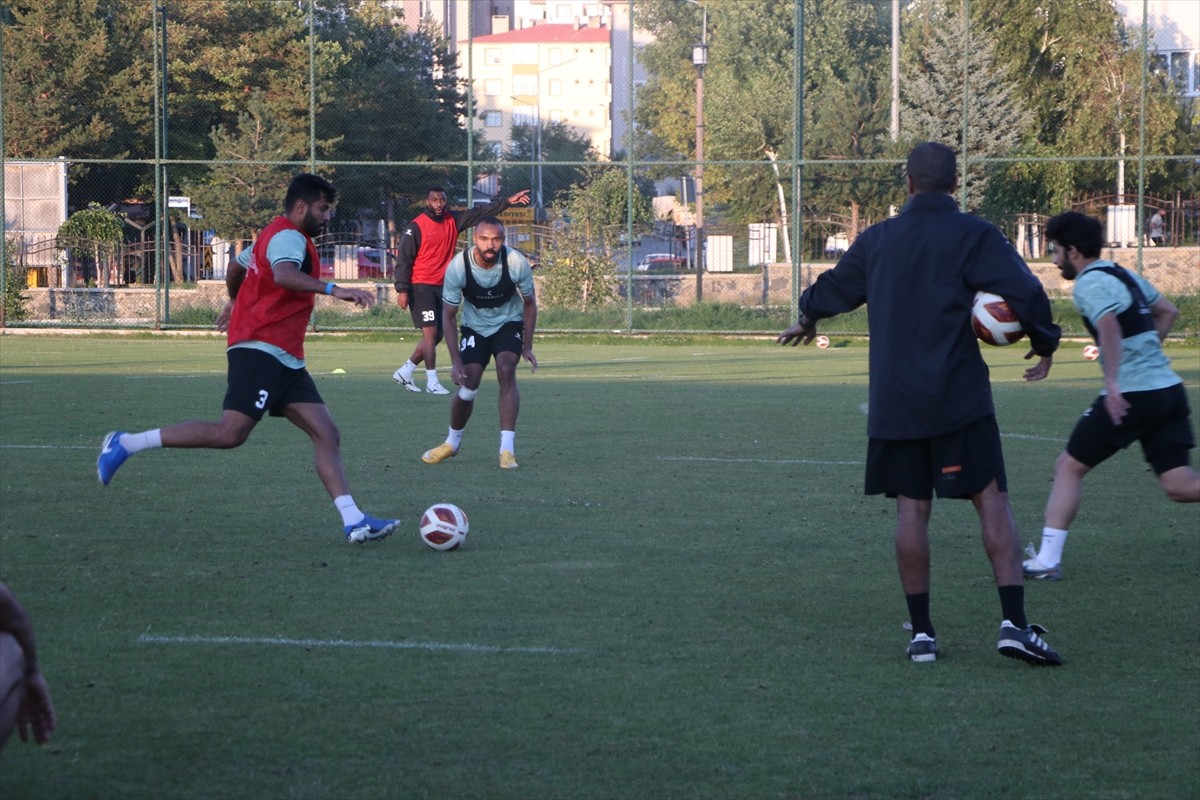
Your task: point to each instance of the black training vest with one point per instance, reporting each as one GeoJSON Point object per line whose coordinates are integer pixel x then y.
{"type": "Point", "coordinates": [1134, 320]}
{"type": "Point", "coordinates": [494, 296]}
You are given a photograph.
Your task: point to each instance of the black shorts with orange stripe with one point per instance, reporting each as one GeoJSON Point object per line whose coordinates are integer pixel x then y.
{"type": "Point", "coordinates": [959, 464]}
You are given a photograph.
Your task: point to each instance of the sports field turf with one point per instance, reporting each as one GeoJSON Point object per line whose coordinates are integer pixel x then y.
{"type": "Point", "coordinates": [682, 592]}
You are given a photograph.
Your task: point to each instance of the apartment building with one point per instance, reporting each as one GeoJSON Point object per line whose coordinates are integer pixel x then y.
{"type": "Point", "coordinates": [546, 73]}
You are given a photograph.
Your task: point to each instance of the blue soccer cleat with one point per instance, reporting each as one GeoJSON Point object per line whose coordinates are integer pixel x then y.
{"type": "Point", "coordinates": [370, 528]}
{"type": "Point", "coordinates": [112, 456]}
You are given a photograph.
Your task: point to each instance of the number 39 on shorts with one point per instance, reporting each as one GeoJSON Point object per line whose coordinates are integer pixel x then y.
{"type": "Point", "coordinates": [428, 316]}
{"type": "Point", "coordinates": [466, 343]}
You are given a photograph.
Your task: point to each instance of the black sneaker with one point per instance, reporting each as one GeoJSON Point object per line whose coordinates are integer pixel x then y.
{"type": "Point", "coordinates": [1027, 645]}
{"type": "Point", "coordinates": [923, 648]}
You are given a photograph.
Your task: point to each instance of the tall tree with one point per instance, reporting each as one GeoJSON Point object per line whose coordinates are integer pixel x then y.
{"type": "Point", "coordinates": [238, 199]}
{"type": "Point", "coordinates": [398, 98]}
{"type": "Point", "coordinates": [955, 65]}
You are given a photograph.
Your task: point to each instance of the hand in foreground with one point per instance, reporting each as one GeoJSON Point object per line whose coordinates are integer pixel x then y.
{"type": "Point", "coordinates": [1117, 406]}
{"type": "Point", "coordinates": [521, 198]}
{"type": "Point", "coordinates": [1040, 369]}
{"type": "Point", "coordinates": [36, 713]}
{"type": "Point", "coordinates": [458, 375]}
{"type": "Point", "coordinates": [796, 334]}
{"type": "Point", "coordinates": [530, 357]}
{"type": "Point", "coordinates": [360, 297]}
{"type": "Point", "coordinates": [224, 316]}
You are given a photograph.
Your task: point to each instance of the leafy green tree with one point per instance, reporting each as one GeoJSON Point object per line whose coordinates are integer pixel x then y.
{"type": "Point", "coordinates": [56, 53]}
{"type": "Point", "coordinates": [750, 96]}
{"type": "Point", "coordinates": [14, 280]}
{"type": "Point", "coordinates": [96, 228]}
{"type": "Point", "coordinates": [398, 98]}
{"type": "Point", "coordinates": [578, 260]}
{"type": "Point", "coordinates": [1079, 71]}
{"type": "Point", "coordinates": [553, 159]}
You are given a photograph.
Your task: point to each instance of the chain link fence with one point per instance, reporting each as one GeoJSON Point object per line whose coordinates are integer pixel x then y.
{"type": "Point", "coordinates": [694, 164]}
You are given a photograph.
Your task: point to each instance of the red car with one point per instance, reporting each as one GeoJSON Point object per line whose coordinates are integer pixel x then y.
{"type": "Point", "coordinates": [372, 265]}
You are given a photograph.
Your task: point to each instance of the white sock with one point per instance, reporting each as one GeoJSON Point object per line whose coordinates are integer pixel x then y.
{"type": "Point", "coordinates": [1051, 550]}
{"type": "Point", "coordinates": [506, 441]}
{"type": "Point", "coordinates": [408, 368]}
{"type": "Point", "coordinates": [147, 440]}
{"type": "Point", "coordinates": [431, 377]}
{"type": "Point", "coordinates": [348, 509]}
{"type": "Point", "coordinates": [454, 438]}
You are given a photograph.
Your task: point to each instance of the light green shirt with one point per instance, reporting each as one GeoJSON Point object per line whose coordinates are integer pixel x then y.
{"type": "Point", "coordinates": [1144, 366]}
{"type": "Point", "coordinates": [487, 321]}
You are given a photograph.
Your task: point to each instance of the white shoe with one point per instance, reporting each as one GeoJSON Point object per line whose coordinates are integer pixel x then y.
{"type": "Point", "coordinates": [405, 380]}
{"type": "Point", "coordinates": [433, 387]}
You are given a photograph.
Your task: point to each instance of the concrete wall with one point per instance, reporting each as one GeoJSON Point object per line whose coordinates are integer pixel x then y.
{"type": "Point", "coordinates": [1174, 270]}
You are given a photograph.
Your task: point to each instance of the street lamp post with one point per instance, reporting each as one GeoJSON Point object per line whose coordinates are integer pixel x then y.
{"type": "Point", "coordinates": [700, 60]}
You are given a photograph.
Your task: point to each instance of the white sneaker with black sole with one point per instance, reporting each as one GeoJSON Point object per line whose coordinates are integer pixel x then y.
{"type": "Point", "coordinates": [405, 380]}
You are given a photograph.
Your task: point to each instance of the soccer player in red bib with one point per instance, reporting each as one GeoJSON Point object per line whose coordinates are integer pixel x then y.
{"type": "Point", "coordinates": [272, 290]}
{"type": "Point", "coordinates": [426, 247]}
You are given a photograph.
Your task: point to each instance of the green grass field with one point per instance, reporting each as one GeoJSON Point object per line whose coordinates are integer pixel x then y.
{"type": "Point", "coordinates": [681, 593]}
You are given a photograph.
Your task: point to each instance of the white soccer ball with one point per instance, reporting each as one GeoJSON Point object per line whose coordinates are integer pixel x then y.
{"type": "Point", "coordinates": [993, 321]}
{"type": "Point", "coordinates": [822, 341]}
{"type": "Point", "coordinates": [1091, 352]}
{"type": "Point", "coordinates": [444, 526]}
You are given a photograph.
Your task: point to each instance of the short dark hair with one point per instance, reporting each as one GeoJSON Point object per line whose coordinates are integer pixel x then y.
{"type": "Point", "coordinates": [309, 188]}
{"type": "Point", "coordinates": [433, 189]}
{"type": "Point", "coordinates": [932, 167]}
{"type": "Point", "coordinates": [1072, 229]}
{"type": "Point", "coordinates": [490, 221]}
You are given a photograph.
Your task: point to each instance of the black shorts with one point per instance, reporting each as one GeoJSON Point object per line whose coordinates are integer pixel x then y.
{"type": "Point", "coordinates": [476, 349]}
{"type": "Point", "coordinates": [958, 464]}
{"type": "Point", "coordinates": [425, 305]}
{"type": "Point", "coordinates": [1158, 419]}
{"type": "Point", "coordinates": [258, 383]}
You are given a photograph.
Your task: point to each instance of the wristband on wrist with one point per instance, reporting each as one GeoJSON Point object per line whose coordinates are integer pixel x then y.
{"type": "Point", "coordinates": [329, 287]}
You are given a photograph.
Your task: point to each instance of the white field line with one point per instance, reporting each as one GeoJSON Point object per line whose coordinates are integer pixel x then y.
{"type": "Point", "coordinates": [468, 647]}
{"type": "Point", "coordinates": [47, 447]}
{"type": "Point", "coordinates": [1031, 437]}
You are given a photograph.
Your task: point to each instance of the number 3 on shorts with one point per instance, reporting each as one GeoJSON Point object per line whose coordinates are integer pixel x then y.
{"type": "Point", "coordinates": [262, 399]}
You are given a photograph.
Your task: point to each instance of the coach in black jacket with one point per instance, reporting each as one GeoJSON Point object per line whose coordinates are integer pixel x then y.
{"type": "Point", "coordinates": [931, 422]}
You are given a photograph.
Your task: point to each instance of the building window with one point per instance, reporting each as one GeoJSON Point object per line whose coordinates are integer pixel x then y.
{"type": "Point", "coordinates": [555, 56]}
{"type": "Point", "coordinates": [493, 87]}
{"type": "Point", "coordinates": [1182, 67]}
{"type": "Point", "coordinates": [525, 54]}
{"type": "Point", "coordinates": [493, 119]}
{"type": "Point", "coordinates": [494, 149]}
{"type": "Point", "coordinates": [557, 115]}
{"type": "Point", "coordinates": [525, 85]}
{"type": "Point", "coordinates": [491, 56]}
{"type": "Point", "coordinates": [556, 87]}
{"type": "Point", "coordinates": [524, 115]}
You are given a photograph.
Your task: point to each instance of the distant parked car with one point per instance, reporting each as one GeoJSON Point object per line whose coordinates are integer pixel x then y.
{"type": "Point", "coordinates": [660, 263]}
